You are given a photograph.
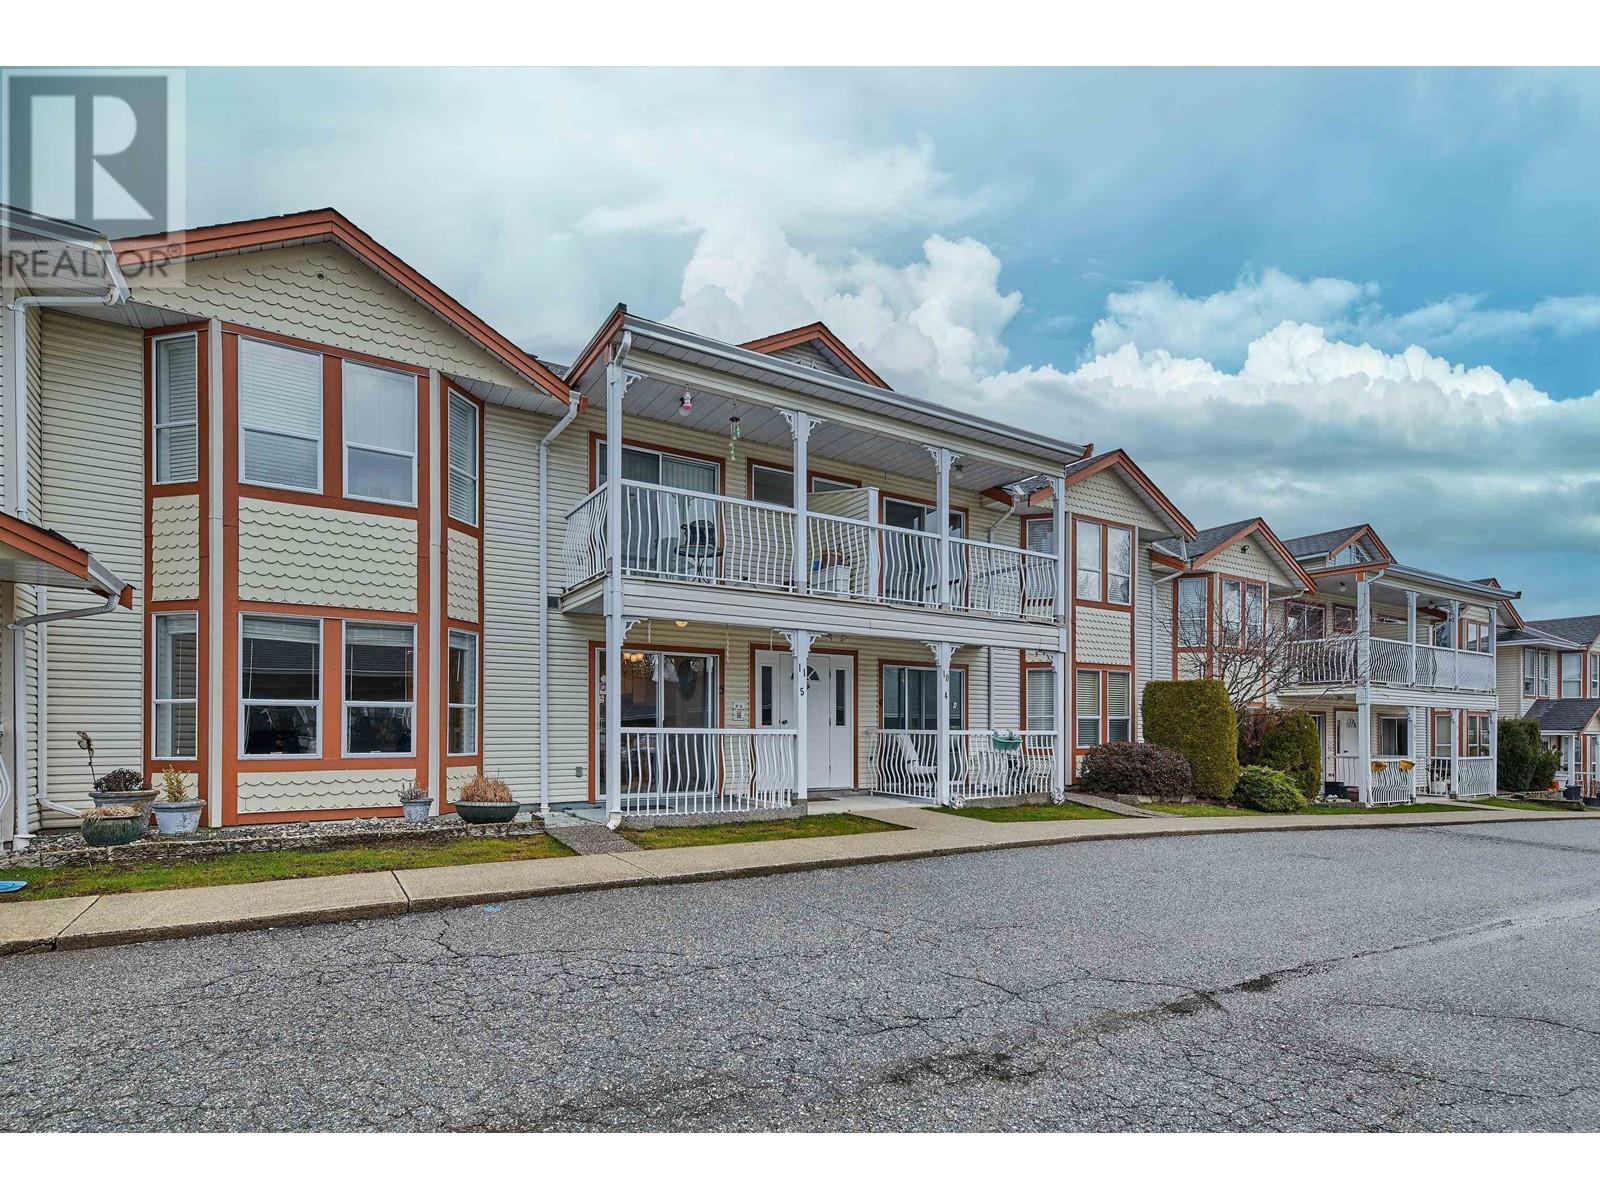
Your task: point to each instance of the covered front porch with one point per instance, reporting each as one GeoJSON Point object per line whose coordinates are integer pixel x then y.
{"type": "Point", "coordinates": [1382, 752]}
{"type": "Point", "coordinates": [716, 720]}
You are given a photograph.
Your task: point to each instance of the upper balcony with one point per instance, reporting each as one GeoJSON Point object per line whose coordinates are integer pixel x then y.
{"type": "Point", "coordinates": [720, 541]}
{"type": "Point", "coordinates": [1336, 662]}
{"type": "Point", "coordinates": [803, 480]}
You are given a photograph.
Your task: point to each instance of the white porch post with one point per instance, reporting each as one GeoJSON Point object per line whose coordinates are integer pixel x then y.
{"type": "Point", "coordinates": [1411, 634]}
{"type": "Point", "coordinates": [1412, 726]}
{"type": "Point", "coordinates": [617, 381]}
{"type": "Point", "coordinates": [800, 642]}
{"type": "Point", "coordinates": [943, 459]}
{"type": "Point", "coordinates": [1455, 643]}
{"type": "Point", "coordinates": [1455, 751]}
{"type": "Point", "coordinates": [1494, 631]}
{"type": "Point", "coordinates": [801, 425]}
{"type": "Point", "coordinates": [1063, 752]}
{"type": "Point", "coordinates": [1363, 689]}
{"type": "Point", "coordinates": [1058, 489]}
{"type": "Point", "coordinates": [941, 658]}
{"type": "Point", "coordinates": [1065, 712]}
{"type": "Point", "coordinates": [874, 549]}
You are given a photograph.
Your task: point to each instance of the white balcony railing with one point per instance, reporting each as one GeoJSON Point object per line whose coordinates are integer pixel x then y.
{"type": "Point", "coordinates": [985, 764]}
{"type": "Point", "coordinates": [1394, 781]}
{"type": "Point", "coordinates": [721, 541]}
{"type": "Point", "coordinates": [1475, 776]}
{"type": "Point", "coordinates": [671, 772]}
{"type": "Point", "coordinates": [1323, 662]}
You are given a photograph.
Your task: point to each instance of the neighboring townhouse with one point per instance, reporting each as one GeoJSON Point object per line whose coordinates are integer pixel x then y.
{"type": "Point", "coordinates": [1549, 671]}
{"type": "Point", "coordinates": [296, 456]}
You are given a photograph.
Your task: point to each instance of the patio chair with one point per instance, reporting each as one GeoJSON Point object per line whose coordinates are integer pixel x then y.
{"type": "Point", "coordinates": [698, 547]}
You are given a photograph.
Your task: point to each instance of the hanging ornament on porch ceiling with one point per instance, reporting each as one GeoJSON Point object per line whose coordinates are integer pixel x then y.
{"type": "Point", "coordinates": [735, 432]}
{"type": "Point", "coordinates": [686, 402]}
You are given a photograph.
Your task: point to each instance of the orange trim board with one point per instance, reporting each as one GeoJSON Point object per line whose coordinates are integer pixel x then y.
{"type": "Point", "coordinates": [53, 550]}
{"type": "Point", "coordinates": [818, 332]}
{"type": "Point", "coordinates": [327, 224]}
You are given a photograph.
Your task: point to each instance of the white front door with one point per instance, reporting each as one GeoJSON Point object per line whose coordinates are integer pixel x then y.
{"type": "Point", "coordinates": [1344, 768]}
{"type": "Point", "coordinates": [830, 712]}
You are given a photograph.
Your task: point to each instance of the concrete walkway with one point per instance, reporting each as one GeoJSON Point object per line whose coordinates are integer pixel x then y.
{"type": "Point", "coordinates": [78, 922]}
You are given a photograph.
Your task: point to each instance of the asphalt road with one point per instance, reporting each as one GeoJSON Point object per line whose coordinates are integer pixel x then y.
{"type": "Point", "coordinates": [1362, 979]}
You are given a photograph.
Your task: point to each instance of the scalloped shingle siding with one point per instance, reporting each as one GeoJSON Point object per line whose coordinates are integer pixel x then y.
{"type": "Point", "coordinates": [298, 554]}
{"type": "Point", "coordinates": [175, 548]}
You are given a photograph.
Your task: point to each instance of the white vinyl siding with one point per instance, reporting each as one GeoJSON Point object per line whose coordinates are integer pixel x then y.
{"type": "Point", "coordinates": [177, 412]}
{"type": "Point", "coordinates": [463, 449]}
{"type": "Point", "coordinates": [280, 416]}
{"type": "Point", "coordinates": [380, 434]}
{"type": "Point", "coordinates": [174, 704]}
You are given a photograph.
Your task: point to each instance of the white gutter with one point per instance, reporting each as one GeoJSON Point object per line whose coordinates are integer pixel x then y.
{"type": "Point", "coordinates": [573, 408]}
{"type": "Point", "coordinates": [17, 497]}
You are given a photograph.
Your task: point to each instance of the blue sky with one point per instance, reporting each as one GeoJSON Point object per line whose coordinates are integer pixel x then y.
{"type": "Point", "coordinates": [1319, 296]}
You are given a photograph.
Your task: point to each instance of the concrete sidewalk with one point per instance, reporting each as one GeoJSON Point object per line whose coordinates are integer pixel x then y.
{"type": "Point", "coordinates": [78, 922]}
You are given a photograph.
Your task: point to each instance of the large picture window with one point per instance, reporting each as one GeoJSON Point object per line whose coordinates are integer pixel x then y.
{"type": "Point", "coordinates": [462, 686]}
{"type": "Point", "coordinates": [280, 660]}
{"type": "Point", "coordinates": [280, 416]}
{"type": "Point", "coordinates": [379, 688]}
{"type": "Point", "coordinates": [176, 680]}
{"type": "Point", "coordinates": [463, 450]}
{"type": "Point", "coordinates": [175, 384]}
{"type": "Point", "coordinates": [911, 697]}
{"type": "Point", "coordinates": [1103, 555]}
{"type": "Point", "coordinates": [380, 434]}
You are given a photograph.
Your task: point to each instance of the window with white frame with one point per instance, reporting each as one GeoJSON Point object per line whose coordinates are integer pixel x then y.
{"type": "Point", "coordinates": [280, 661]}
{"type": "Point", "coordinates": [461, 676]}
{"type": "Point", "coordinates": [1571, 674]}
{"type": "Point", "coordinates": [1594, 674]}
{"type": "Point", "coordinates": [1193, 592]}
{"type": "Point", "coordinates": [1086, 555]}
{"type": "Point", "coordinates": [1530, 672]}
{"type": "Point", "coordinates": [1087, 708]}
{"type": "Point", "coordinates": [380, 434]}
{"type": "Point", "coordinates": [775, 485]}
{"type": "Point", "coordinates": [1119, 706]}
{"type": "Point", "coordinates": [280, 416]}
{"type": "Point", "coordinates": [1039, 534]}
{"type": "Point", "coordinates": [463, 452]}
{"type": "Point", "coordinates": [175, 385]}
{"type": "Point", "coordinates": [1041, 698]}
{"type": "Point", "coordinates": [1546, 673]}
{"type": "Point", "coordinates": [175, 680]}
{"type": "Point", "coordinates": [379, 687]}
{"type": "Point", "coordinates": [910, 697]}
{"type": "Point", "coordinates": [1305, 622]}
{"type": "Point", "coordinates": [1119, 565]}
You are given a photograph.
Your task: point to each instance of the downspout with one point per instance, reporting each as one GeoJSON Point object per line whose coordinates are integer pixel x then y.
{"type": "Point", "coordinates": [17, 495]}
{"type": "Point", "coordinates": [988, 651]}
{"type": "Point", "coordinates": [574, 407]}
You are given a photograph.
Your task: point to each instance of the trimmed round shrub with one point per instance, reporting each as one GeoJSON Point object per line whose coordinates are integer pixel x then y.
{"type": "Point", "coordinates": [1135, 768]}
{"type": "Point", "coordinates": [1520, 755]}
{"type": "Point", "coordinates": [1195, 718]}
{"type": "Point", "coordinates": [1284, 741]}
{"type": "Point", "coordinates": [1545, 765]}
{"type": "Point", "coordinates": [1267, 790]}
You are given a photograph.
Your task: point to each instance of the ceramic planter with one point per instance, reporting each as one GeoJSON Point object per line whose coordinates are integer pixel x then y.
{"type": "Point", "coordinates": [173, 820]}
{"type": "Point", "coordinates": [113, 831]}
{"type": "Point", "coordinates": [417, 810]}
{"type": "Point", "coordinates": [479, 813]}
{"type": "Point", "coordinates": [141, 799]}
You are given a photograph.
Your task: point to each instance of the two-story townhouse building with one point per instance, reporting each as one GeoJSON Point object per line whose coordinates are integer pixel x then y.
{"type": "Point", "coordinates": [295, 451]}
{"type": "Point", "coordinates": [1549, 671]}
{"type": "Point", "coordinates": [1395, 664]}
{"type": "Point", "coordinates": [825, 585]}
{"type": "Point", "coordinates": [369, 541]}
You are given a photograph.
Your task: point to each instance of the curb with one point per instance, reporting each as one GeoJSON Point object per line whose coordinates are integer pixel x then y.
{"type": "Point", "coordinates": [629, 871]}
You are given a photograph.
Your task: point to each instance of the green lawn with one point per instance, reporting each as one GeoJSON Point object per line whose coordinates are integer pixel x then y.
{"type": "Point", "coordinates": [822, 825]}
{"type": "Point", "coordinates": [1032, 812]}
{"type": "Point", "coordinates": [47, 883]}
{"type": "Point", "coordinates": [1513, 802]}
{"type": "Point", "coordinates": [1317, 810]}
{"type": "Point", "coordinates": [1174, 809]}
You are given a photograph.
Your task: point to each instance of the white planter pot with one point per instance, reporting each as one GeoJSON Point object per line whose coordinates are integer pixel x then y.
{"type": "Point", "coordinates": [174, 820]}
{"type": "Point", "coordinates": [417, 810]}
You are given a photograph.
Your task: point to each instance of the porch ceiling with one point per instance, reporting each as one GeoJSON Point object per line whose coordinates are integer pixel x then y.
{"type": "Point", "coordinates": [719, 371]}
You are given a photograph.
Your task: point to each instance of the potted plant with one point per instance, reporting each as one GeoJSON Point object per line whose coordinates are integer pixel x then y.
{"type": "Point", "coordinates": [113, 825]}
{"type": "Point", "coordinates": [416, 803]}
{"type": "Point", "coordinates": [175, 812]}
{"type": "Point", "coordinates": [1005, 739]}
{"type": "Point", "coordinates": [486, 801]}
{"type": "Point", "coordinates": [122, 786]}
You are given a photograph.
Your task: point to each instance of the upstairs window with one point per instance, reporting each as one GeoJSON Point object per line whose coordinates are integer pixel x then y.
{"type": "Point", "coordinates": [280, 416]}
{"type": "Point", "coordinates": [1594, 674]}
{"type": "Point", "coordinates": [1306, 622]}
{"type": "Point", "coordinates": [1530, 672]}
{"type": "Point", "coordinates": [1104, 563]}
{"type": "Point", "coordinates": [380, 434]}
{"type": "Point", "coordinates": [1192, 601]}
{"type": "Point", "coordinates": [1091, 580]}
{"type": "Point", "coordinates": [1571, 674]}
{"type": "Point", "coordinates": [1119, 565]}
{"type": "Point", "coordinates": [463, 449]}
{"type": "Point", "coordinates": [175, 384]}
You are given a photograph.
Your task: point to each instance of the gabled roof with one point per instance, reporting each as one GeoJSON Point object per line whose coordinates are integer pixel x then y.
{"type": "Point", "coordinates": [1206, 544]}
{"type": "Point", "coordinates": [1532, 635]}
{"type": "Point", "coordinates": [1330, 542]}
{"type": "Point", "coordinates": [1120, 462]}
{"type": "Point", "coordinates": [329, 225]}
{"type": "Point", "coordinates": [1582, 630]}
{"type": "Point", "coordinates": [1564, 716]}
{"type": "Point", "coordinates": [827, 343]}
